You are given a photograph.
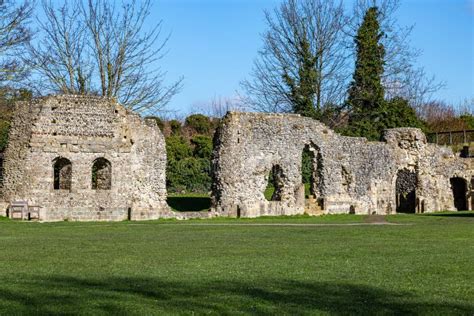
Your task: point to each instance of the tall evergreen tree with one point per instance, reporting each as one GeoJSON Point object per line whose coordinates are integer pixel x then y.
{"type": "Point", "coordinates": [302, 87]}
{"type": "Point", "coordinates": [370, 112]}
{"type": "Point", "coordinates": [366, 92]}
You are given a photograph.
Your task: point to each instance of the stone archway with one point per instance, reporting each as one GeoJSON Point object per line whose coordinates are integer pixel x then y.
{"type": "Point", "coordinates": [62, 174]}
{"type": "Point", "coordinates": [459, 189]}
{"type": "Point", "coordinates": [405, 188]}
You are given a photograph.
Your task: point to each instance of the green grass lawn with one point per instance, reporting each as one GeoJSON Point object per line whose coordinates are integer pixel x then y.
{"type": "Point", "coordinates": [425, 265]}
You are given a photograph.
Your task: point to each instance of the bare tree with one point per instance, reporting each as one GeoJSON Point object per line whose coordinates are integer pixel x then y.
{"type": "Point", "coordinates": [321, 24]}
{"type": "Point", "coordinates": [104, 48]}
{"type": "Point", "coordinates": [401, 77]}
{"type": "Point", "coordinates": [14, 33]}
{"type": "Point", "coordinates": [218, 106]}
{"type": "Point", "coordinates": [60, 56]}
{"type": "Point", "coordinates": [442, 117]}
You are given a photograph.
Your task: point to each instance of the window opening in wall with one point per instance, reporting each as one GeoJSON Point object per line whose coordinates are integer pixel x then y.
{"type": "Point", "coordinates": [308, 171]}
{"type": "Point", "coordinates": [405, 188]}
{"type": "Point", "coordinates": [62, 174]}
{"type": "Point", "coordinates": [275, 184]}
{"type": "Point", "coordinates": [101, 174]}
{"type": "Point", "coordinates": [311, 172]}
{"type": "Point", "coordinates": [459, 188]}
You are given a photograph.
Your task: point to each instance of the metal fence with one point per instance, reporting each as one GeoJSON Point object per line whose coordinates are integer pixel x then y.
{"type": "Point", "coordinates": [452, 137]}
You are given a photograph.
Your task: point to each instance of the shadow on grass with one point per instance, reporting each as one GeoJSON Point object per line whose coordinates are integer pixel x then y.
{"type": "Point", "coordinates": [189, 203]}
{"type": "Point", "coordinates": [64, 295]}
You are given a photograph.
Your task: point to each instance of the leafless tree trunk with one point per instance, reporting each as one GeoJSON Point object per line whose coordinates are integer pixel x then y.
{"type": "Point", "coordinates": [101, 47]}
{"type": "Point", "coordinates": [14, 34]}
{"type": "Point", "coordinates": [322, 22]}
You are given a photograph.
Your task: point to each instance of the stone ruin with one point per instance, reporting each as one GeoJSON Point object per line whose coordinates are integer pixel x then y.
{"type": "Point", "coordinates": [85, 158]}
{"type": "Point", "coordinates": [349, 174]}
{"type": "Point", "coordinates": [89, 158]}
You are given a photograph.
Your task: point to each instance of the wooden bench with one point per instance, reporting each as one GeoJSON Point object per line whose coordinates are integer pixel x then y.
{"type": "Point", "coordinates": [22, 211]}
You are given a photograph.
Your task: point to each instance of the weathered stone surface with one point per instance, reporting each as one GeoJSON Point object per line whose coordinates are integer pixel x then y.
{"type": "Point", "coordinates": [56, 142]}
{"type": "Point", "coordinates": [83, 129]}
{"type": "Point", "coordinates": [353, 174]}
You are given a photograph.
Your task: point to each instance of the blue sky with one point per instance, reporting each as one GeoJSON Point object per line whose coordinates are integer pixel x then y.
{"type": "Point", "coordinates": [214, 42]}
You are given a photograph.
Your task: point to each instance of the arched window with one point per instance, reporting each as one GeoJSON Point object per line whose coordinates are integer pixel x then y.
{"type": "Point", "coordinates": [101, 174]}
{"type": "Point", "coordinates": [62, 174]}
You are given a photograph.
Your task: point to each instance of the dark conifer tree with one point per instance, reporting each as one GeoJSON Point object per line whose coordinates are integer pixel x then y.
{"type": "Point", "coordinates": [302, 87]}
{"type": "Point", "coordinates": [366, 92]}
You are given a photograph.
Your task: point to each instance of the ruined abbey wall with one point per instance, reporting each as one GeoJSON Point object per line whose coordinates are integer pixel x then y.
{"type": "Point", "coordinates": [80, 130]}
{"type": "Point", "coordinates": [351, 175]}
{"type": "Point", "coordinates": [89, 158]}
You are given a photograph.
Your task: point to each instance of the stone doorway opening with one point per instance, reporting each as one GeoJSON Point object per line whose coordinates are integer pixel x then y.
{"type": "Point", "coordinates": [311, 176]}
{"type": "Point", "coordinates": [405, 188]}
{"type": "Point", "coordinates": [275, 184]}
{"type": "Point", "coordinates": [459, 188]}
{"type": "Point", "coordinates": [62, 174]}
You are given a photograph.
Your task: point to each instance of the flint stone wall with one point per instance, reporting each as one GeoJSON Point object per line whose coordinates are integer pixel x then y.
{"type": "Point", "coordinates": [354, 175]}
{"type": "Point", "coordinates": [82, 129]}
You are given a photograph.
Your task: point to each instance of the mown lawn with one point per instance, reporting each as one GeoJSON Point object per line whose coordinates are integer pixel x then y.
{"type": "Point", "coordinates": [425, 265]}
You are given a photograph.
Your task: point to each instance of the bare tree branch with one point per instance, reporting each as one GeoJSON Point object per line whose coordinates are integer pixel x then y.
{"type": "Point", "coordinates": [102, 47]}
{"type": "Point", "coordinates": [322, 23]}
{"type": "Point", "coordinates": [14, 34]}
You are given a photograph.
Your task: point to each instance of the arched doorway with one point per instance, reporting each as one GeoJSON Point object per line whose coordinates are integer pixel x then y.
{"type": "Point", "coordinates": [62, 174]}
{"type": "Point", "coordinates": [459, 188]}
{"type": "Point", "coordinates": [405, 188]}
